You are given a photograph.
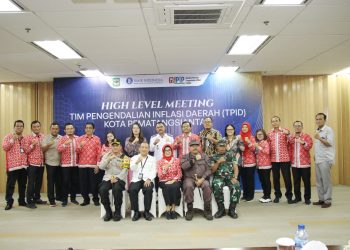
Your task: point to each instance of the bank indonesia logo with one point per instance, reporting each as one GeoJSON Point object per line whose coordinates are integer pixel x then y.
{"type": "Point", "coordinates": [129, 80]}
{"type": "Point", "coordinates": [115, 81]}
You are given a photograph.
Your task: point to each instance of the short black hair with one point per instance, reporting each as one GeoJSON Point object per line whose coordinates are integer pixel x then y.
{"type": "Point", "coordinates": [300, 122]}
{"type": "Point", "coordinates": [208, 117]}
{"type": "Point", "coordinates": [90, 123]}
{"type": "Point", "coordinates": [264, 133]}
{"type": "Point", "coordinates": [160, 122]}
{"type": "Point", "coordinates": [18, 121]}
{"type": "Point", "coordinates": [275, 116]}
{"type": "Point", "coordinates": [68, 124]}
{"type": "Point", "coordinates": [34, 122]}
{"type": "Point", "coordinates": [323, 114]}
{"type": "Point", "coordinates": [186, 122]}
{"type": "Point", "coordinates": [54, 124]}
{"type": "Point", "coordinates": [234, 129]}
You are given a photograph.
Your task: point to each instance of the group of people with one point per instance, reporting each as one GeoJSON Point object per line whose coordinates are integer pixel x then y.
{"type": "Point", "coordinates": [208, 161]}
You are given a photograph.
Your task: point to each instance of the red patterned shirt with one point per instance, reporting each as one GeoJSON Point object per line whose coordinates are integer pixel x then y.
{"type": "Point", "coordinates": [16, 158]}
{"type": "Point", "coordinates": [173, 172]}
{"type": "Point", "coordinates": [300, 154]}
{"type": "Point", "coordinates": [249, 159]}
{"type": "Point", "coordinates": [263, 160]}
{"type": "Point", "coordinates": [183, 148]}
{"type": "Point", "coordinates": [69, 156]}
{"type": "Point", "coordinates": [89, 151]}
{"type": "Point", "coordinates": [34, 152]}
{"type": "Point", "coordinates": [278, 146]}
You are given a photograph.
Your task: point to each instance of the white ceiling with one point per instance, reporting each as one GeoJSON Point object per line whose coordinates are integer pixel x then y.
{"type": "Point", "coordinates": [121, 37]}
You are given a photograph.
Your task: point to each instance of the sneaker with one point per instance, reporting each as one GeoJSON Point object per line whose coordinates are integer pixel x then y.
{"type": "Point", "coordinates": [262, 200]}
{"type": "Point", "coordinates": [267, 200]}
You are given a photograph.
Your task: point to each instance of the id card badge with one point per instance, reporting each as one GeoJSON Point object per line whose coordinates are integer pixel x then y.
{"type": "Point", "coordinates": [21, 150]}
{"type": "Point", "coordinates": [140, 176]}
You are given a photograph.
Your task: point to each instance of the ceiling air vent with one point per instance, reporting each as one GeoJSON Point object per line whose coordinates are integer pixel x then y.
{"type": "Point", "coordinates": [184, 14]}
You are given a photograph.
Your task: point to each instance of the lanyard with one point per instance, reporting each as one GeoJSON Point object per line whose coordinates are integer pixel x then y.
{"type": "Point", "coordinates": [144, 163]}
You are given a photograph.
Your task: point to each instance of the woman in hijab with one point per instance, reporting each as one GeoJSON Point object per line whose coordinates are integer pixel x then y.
{"type": "Point", "coordinates": [169, 173]}
{"type": "Point", "coordinates": [249, 162]}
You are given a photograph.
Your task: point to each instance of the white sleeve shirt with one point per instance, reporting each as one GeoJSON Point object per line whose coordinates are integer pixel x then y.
{"type": "Point", "coordinates": [322, 152]}
{"type": "Point", "coordinates": [148, 168]}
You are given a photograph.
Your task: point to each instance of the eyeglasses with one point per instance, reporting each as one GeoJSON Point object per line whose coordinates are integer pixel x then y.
{"type": "Point", "coordinates": [230, 129]}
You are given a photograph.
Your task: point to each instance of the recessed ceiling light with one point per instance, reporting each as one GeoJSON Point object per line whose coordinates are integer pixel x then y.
{"type": "Point", "coordinates": [345, 71]}
{"type": "Point", "coordinates": [9, 6]}
{"type": "Point", "coordinates": [58, 49]}
{"type": "Point", "coordinates": [283, 2]}
{"type": "Point", "coordinates": [246, 45]}
{"type": "Point", "coordinates": [226, 69]}
{"type": "Point", "coordinates": [91, 73]}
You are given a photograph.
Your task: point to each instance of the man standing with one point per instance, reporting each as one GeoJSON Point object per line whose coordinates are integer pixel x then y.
{"type": "Point", "coordinates": [67, 146]}
{"type": "Point", "coordinates": [209, 137]}
{"type": "Point", "coordinates": [182, 142]}
{"type": "Point", "coordinates": [16, 164]}
{"type": "Point", "coordinates": [144, 170]}
{"type": "Point", "coordinates": [32, 146]}
{"type": "Point", "coordinates": [324, 159]}
{"type": "Point", "coordinates": [225, 169]}
{"type": "Point", "coordinates": [159, 140]}
{"type": "Point", "coordinates": [280, 159]}
{"type": "Point", "coordinates": [301, 144]}
{"type": "Point", "coordinates": [196, 168]}
{"type": "Point", "coordinates": [89, 153]}
{"type": "Point", "coordinates": [52, 161]}
{"type": "Point", "coordinates": [116, 165]}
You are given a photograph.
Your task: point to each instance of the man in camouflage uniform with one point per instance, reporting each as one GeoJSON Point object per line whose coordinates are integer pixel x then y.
{"type": "Point", "coordinates": [225, 170]}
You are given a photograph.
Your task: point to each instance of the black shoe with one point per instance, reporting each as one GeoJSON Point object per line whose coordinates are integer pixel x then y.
{"type": "Point", "coordinates": [8, 206]}
{"type": "Point", "coordinates": [96, 203]}
{"type": "Point", "coordinates": [85, 203]}
{"type": "Point", "coordinates": [147, 215]}
{"type": "Point", "coordinates": [136, 216]}
{"type": "Point", "coordinates": [173, 215]}
{"type": "Point", "coordinates": [64, 204]}
{"type": "Point", "coordinates": [290, 201]}
{"type": "Point", "coordinates": [221, 211]}
{"type": "Point", "coordinates": [318, 203]}
{"type": "Point", "coordinates": [75, 202]}
{"type": "Point", "coordinates": [108, 216]}
{"type": "Point", "coordinates": [22, 203]}
{"type": "Point", "coordinates": [232, 211]}
{"type": "Point", "coordinates": [189, 213]}
{"type": "Point", "coordinates": [307, 202]}
{"type": "Point", "coordinates": [117, 216]}
{"type": "Point", "coordinates": [207, 212]}
{"type": "Point", "coordinates": [296, 200]}
{"type": "Point", "coordinates": [52, 204]}
{"type": "Point", "coordinates": [168, 215]}
{"type": "Point", "coordinates": [31, 205]}
{"type": "Point", "coordinates": [276, 200]}
{"type": "Point", "coordinates": [40, 202]}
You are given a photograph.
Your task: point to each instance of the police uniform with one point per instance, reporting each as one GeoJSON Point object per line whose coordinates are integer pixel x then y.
{"type": "Point", "coordinates": [222, 177]}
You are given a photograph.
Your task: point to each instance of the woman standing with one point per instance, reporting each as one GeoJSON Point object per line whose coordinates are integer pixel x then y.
{"type": "Point", "coordinates": [249, 161]}
{"type": "Point", "coordinates": [234, 143]}
{"type": "Point", "coordinates": [263, 162]}
{"type": "Point", "coordinates": [133, 142]}
{"type": "Point", "coordinates": [170, 174]}
{"type": "Point", "coordinates": [106, 148]}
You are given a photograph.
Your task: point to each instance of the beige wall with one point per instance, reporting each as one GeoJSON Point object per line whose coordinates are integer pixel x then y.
{"type": "Point", "coordinates": [290, 97]}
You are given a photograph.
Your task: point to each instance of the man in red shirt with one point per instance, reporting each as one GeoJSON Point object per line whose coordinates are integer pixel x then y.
{"type": "Point", "coordinates": [280, 159]}
{"type": "Point", "coordinates": [16, 164]}
{"type": "Point", "coordinates": [89, 153]}
{"type": "Point", "coordinates": [32, 147]}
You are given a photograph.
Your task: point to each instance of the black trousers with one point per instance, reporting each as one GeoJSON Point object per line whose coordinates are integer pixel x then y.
{"type": "Point", "coordinates": [305, 174]}
{"type": "Point", "coordinates": [70, 176]}
{"type": "Point", "coordinates": [117, 192]}
{"type": "Point", "coordinates": [171, 193]}
{"type": "Point", "coordinates": [20, 176]}
{"type": "Point", "coordinates": [264, 176]}
{"type": "Point", "coordinates": [54, 182]}
{"type": "Point", "coordinates": [284, 167]}
{"type": "Point", "coordinates": [134, 189]}
{"type": "Point", "coordinates": [88, 183]}
{"type": "Point", "coordinates": [35, 181]}
{"type": "Point", "coordinates": [239, 178]}
{"type": "Point", "coordinates": [247, 174]}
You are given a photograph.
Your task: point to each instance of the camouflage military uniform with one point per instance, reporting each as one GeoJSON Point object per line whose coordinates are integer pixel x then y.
{"type": "Point", "coordinates": [223, 176]}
